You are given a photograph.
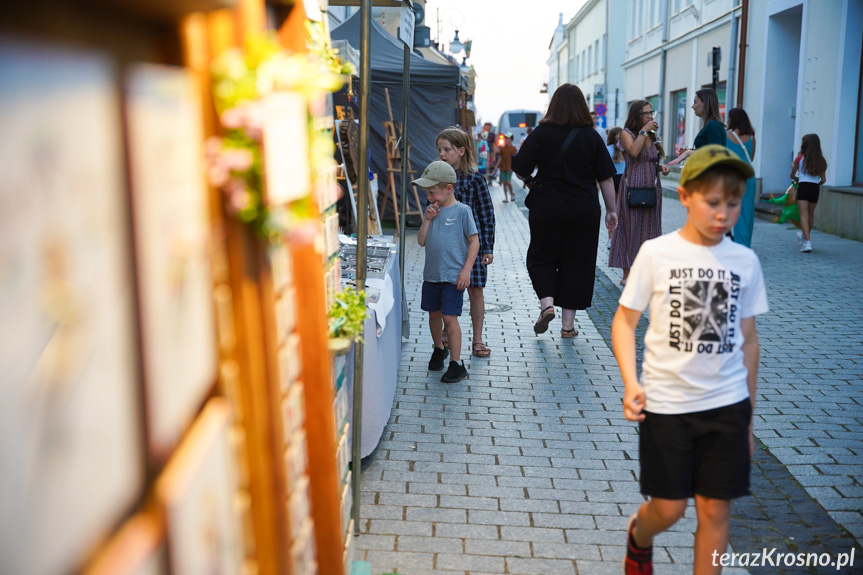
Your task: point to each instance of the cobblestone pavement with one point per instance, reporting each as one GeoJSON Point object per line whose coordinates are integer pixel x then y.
{"type": "Point", "coordinates": [528, 467]}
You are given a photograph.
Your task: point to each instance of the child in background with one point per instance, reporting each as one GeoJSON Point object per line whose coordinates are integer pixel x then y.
{"type": "Point", "coordinates": [482, 154]}
{"type": "Point", "coordinates": [616, 154]}
{"type": "Point", "coordinates": [809, 170]}
{"type": "Point", "coordinates": [455, 148]}
{"type": "Point", "coordinates": [506, 152]}
{"type": "Point", "coordinates": [493, 158]}
{"type": "Point", "coordinates": [697, 390]}
{"type": "Point", "coordinates": [448, 233]}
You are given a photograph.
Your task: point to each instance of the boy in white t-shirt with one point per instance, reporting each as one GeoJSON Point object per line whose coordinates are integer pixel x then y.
{"type": "Point", "coordinates": [697, 390]}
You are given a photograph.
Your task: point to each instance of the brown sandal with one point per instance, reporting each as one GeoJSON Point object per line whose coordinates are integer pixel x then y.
{"type": "Point", "coordinates": [567, 333]}
{"type": "Point", "coordinates": [480, 349]}
{"type": "Point", "coordinates": [545, 318]}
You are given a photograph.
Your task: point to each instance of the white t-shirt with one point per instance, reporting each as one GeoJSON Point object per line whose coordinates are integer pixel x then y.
{"type": "Point", "coordinates": [802, 176]}
{"type": "Point", "coordinates": [697, 296]}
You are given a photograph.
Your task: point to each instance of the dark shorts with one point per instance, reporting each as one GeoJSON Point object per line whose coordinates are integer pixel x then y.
{"type": "Point", "coordinates": [808, 191]}
{"type": "Point", "coordinates": [505, 176]}
{"type": "Point", "coordinates": [442, 297]}
{"type": "Point", "coordinates": [704, 453]}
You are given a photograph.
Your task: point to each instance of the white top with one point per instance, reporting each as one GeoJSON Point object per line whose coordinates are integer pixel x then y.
{"type": "Point", "coordinates": [697, 296]}
{"type": "Point", "coordinates": [802, 176]}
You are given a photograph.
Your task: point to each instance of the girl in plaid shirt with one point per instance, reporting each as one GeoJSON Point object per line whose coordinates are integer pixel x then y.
{"type": "Point", "coordinates": [455, 147]}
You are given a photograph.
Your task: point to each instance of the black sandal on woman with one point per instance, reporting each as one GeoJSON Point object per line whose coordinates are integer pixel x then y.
{"type": "Point", "coordinates": [544, 319]}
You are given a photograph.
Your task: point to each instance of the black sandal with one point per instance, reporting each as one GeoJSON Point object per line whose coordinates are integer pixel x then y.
{"type": "Point", "coordinates": [542, 325]}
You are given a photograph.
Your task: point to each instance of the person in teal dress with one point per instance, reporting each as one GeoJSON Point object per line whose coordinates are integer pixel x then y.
{"type": "Point", "coordinates": [706, 106]}
{"type": "Point", "coordinates": [741, 141]}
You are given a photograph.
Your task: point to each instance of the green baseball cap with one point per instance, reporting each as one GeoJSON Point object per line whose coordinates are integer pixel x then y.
{"type": "Point", "coordinates": [709, 156]}
{"type": "Point", "coordinates": [438, 172]}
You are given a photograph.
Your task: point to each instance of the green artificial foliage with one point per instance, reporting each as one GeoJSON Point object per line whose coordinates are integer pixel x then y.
{"type": "Point", "coordinates": [348, 314]}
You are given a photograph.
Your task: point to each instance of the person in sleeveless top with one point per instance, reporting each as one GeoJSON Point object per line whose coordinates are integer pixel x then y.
{"type": "Point", "coordinates": [741, 141]}
{"type": "Point", "coordinates": [642, 154]}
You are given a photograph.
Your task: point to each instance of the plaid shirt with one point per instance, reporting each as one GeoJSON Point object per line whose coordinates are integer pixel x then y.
{"type": "Point", "coordinates": [472, 190]}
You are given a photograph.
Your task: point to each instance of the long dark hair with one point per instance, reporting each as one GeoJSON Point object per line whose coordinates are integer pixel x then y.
{"type": "Point", "coordinates": [634, 123]}
{"type": "Point", "coordinates": [568, 108]}
{"type": "Point", "coordinates": [738, 120]}
{"type": "Point", "coordinates": [813, 160]}
{"type": "Point", "coordinates": [711, 104]}
{"type": "Point", "coordinates": [613, 138]}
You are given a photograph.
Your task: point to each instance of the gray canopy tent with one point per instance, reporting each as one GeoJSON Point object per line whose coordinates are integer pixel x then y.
{"type": "Point", "coordinates": [433, 101]}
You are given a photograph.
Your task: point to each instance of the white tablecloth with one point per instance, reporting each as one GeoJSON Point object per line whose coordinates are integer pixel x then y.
{"type": "Point", "coordinates": [382, 351]}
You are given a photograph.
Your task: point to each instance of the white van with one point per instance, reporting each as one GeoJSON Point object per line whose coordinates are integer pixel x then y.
{"type": "Point", "coordinates": [517, 122]}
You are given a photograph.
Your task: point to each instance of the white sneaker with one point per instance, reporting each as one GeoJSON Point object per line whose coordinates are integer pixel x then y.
{"type": "Point", "coordinates": [800, 237]}
{"type": "Point", "coordinates": [806, 247]}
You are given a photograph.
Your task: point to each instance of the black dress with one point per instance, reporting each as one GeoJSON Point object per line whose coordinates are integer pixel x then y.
{"type": "Point", "coordinates": [564, 214]}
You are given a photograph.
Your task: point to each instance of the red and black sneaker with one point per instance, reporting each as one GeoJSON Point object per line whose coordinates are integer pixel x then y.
{"type": "Point", "coordinates": [637, 561]}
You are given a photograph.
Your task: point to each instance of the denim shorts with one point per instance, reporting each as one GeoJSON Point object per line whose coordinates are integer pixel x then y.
{"type": "Point", "coordinates": [442, 297]}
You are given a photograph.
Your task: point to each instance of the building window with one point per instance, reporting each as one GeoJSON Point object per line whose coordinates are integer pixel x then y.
{"type": "Point", "coordinates": [678, 118]}
{"type": "Point", "coordinates": [590, 60]}
{"type": "Point", "coordinates": [632, 18]}
{"type": "Point", "coordinates": [596, 56]}
{"type": "Point", "coordinates": [603, 61]}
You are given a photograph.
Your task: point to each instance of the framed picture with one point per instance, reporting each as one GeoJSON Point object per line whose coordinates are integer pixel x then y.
{"type": "Point", "coordinates": [138, 549]}
{"type": "Point", "coordinates": [71, 451]}
{"type": "Point", "coordinates": [170, 210]}
{"type": "Point", "coordinates": [198, 490]}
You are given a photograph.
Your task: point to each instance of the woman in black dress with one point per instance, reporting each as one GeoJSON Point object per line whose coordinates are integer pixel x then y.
{"type": "Point", "coordinates": [564, 208]}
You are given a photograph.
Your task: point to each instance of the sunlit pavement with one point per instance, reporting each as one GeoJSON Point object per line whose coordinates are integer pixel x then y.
{"type": "Point", "coordinates": [528, 467]}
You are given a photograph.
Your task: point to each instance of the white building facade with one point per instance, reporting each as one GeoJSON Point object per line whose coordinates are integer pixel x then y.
{"type": "Point", "coordinates": [558, 59]}
{"type": "Point", "coordinates": [668, 49]}
{"type": "Point", "coordinates": [595, 48]}
{"type": "Point", "coordinates": [803, 76]}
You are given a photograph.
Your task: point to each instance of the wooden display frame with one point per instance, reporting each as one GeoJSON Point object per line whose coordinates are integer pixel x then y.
{"type": "Point", "coordinates": [198, 495]}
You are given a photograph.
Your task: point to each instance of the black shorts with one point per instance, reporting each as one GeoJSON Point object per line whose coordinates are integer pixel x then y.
{"type": "Point", "coordinates": [704, 453]}
{"type": "Point", "coordinates": [808, 191]}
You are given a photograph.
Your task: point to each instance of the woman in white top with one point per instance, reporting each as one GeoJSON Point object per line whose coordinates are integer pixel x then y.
{"type": "Point", "coordinates": [809, 170]}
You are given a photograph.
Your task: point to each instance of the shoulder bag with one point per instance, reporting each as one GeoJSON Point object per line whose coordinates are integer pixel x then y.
{"type": "Point", "coordinates": [536, 183]}
{"type": "Point", "coordinates": [640, 197]}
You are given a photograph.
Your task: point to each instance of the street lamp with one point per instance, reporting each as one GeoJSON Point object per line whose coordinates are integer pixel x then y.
{"type": "Point", "coordinates": [456, 45]}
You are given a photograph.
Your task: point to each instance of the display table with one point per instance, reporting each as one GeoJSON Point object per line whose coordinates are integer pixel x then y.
{"type": "Point", "coordinates": [381, 358]}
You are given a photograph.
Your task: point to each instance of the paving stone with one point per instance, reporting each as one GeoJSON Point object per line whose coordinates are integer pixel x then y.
{"type": "Point", "coordinates": [429, 544]}
{"type": "Point", "coordinates": [497, 548]}
{"type": "Point", "coordinates": [535, 566]}
{"type": "Point", "coordinates": [467, 532]}
{"type": "Point", "coordinates": [470, 562]}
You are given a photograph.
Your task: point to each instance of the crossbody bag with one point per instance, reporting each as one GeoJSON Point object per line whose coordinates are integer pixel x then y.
{"type": "Point", "coordinates": [640, 198]}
